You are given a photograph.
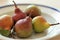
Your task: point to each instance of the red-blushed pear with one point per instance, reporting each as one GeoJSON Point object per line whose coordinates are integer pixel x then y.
{"type": "Point", "coordinates": [18, 13]}
{"type": "Point", "coordinates": [6, 23]}
{"type": "Point", "coordinates": [23, 27]}
{"type": "Point", "coordinates": [40, 24]}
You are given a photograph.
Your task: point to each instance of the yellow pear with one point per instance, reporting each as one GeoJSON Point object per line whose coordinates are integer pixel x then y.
{"type": "Point", "coordinates": [40, 24]}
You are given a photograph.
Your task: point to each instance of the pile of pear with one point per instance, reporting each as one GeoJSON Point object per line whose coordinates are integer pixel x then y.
{"type": "Point", "coordinates": [23, 23]}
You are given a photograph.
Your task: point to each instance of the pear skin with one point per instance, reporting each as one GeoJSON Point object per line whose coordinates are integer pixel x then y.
{"type": "Point", "coordinates": [35, 11]}
{"type": "Point", "coordinates": [23, 27]}
{"type": "Point", "coordinates": [40, 24]}
{"type": "Point", "coordinates": [19, 14]}
{"type": "Point", "coordinates": [6, 23]}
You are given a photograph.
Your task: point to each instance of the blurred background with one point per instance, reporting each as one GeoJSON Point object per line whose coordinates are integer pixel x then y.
{"type": "Point", "coordinates": [52, 3]}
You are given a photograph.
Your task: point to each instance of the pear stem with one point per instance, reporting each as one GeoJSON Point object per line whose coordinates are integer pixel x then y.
{"type": "Point", "coordinates": [30, 13]}
{"type": "Point", "coordinates": [54, 24]}
{"type": "Point", "coordinates": [15, 4]}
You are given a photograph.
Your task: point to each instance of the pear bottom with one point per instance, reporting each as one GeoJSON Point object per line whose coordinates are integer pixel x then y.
{"type": "Point", "coordinates": [39, 27]}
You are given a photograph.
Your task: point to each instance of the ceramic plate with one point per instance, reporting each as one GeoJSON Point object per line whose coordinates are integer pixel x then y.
{"type": "Point", "coordinates": [51, 14]}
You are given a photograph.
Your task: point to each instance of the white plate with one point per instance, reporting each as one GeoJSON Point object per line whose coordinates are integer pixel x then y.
{"type": "Point", "coordinates": [52, 15]}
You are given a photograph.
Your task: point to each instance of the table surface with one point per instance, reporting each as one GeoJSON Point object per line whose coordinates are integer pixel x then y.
{"type": "Point", "coordinates": [52, 3]}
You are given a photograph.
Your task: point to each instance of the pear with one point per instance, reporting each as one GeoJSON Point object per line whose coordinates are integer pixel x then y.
{"type": "Point", "coordinates": [40, 24]}
{"type": "Point", "coordinates": [19, 14]}
{"type": "Point", "coordinates": [35, 10]}
{"type": "Point", "coordinates": [6, 23]}
{"type": "Point", "coordinates": [23, 27]}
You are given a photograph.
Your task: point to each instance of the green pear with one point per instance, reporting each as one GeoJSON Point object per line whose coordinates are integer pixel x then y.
{"type": "Point", "coordinates": [40, 24]}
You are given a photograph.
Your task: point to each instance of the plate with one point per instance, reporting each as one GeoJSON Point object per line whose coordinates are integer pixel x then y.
{"type": "Point", "coordinates": [51, 14]}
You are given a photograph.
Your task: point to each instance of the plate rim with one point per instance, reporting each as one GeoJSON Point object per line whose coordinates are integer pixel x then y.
{"type": "Point", "coordinates": [9, 5]}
